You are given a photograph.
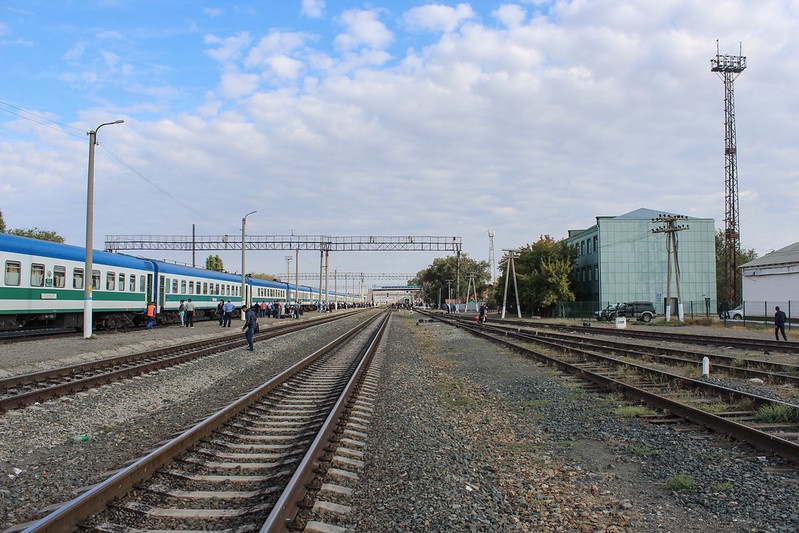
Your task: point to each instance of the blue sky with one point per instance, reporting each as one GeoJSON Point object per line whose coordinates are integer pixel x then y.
{"type": "Point", "coordinates": [393, 118]}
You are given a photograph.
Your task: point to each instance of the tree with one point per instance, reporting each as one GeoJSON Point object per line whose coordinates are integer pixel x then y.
{"type": "Point", "coordinates": [743, 256]}
{"type": "Point", "coordinates": [441, 277]}
{"type": "Point", "coordinates": [32, 233]}
{"type": "Point", "coordinates": [36, 233]}
{"type": "Point", "coordinates": [543, 274]}
{"type": "Point", "coordinates": [214, 262]}
{"type": "Point", "coordinates": [267, 277]}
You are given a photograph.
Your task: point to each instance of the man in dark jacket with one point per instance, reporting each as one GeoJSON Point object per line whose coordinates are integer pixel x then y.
{"type": "Point", "coordinates": [779, 324]}
{"type": "Point", "coordinates": [250, 321]}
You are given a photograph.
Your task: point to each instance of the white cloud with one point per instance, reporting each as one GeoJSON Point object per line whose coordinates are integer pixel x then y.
{"type": "Point", "coordinates": [227, 49]}
{"type": "Point", "coordinates": [313, 8]}
{"type": "Point", "coordinates": [527, 122]}
{"type": "Point", "coordinates": [362, 29]}
{"type": "Point", "coordinates": [437, 17]}
{"type": "Point", "coordinates": [213, 11]}
{"type": "Point", "coordinates": [234, 84]}
{"type": "Point", "coordinates": [511, 15]}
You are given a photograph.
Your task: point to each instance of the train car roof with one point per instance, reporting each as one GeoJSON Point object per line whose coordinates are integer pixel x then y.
{"type": "Point", "coordinates": [67, 252]}
{"type": "Point", "coordinates": [258, 282]}
{"type": "Point", "coordinates": [183, 270]}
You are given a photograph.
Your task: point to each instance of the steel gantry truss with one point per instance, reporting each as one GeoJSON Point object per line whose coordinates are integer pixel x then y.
{"type": "Point", "coordinates": [324, 243]}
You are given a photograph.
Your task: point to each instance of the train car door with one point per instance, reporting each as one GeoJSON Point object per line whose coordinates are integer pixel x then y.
{"type": "Point", "coordinates": [161, 292]}
{"type": "Point", "coordinates": [150, 290]}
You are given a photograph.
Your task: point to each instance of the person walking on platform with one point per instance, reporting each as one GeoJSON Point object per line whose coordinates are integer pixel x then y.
{"type": "Point", "coordinates": [779, 324]}
{"type": "Point", "coordinates": [228, 310]}
{"type": "Point", "coordinates": [189, 313]}
{"type": "Point", "coordinates": [182, 313]}
{"type": "Point", "coordinates": [250, 323]}
{"type": "Point", "coordinates": [150, 312]}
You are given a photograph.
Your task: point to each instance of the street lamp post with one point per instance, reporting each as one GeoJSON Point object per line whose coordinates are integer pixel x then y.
{"type": "Point", "coordinates": [335, 288]}
{"type": "Point", "coordinates": [88, 279]}
{"type": "Point", "coordinates": [288, 277]}
{"type": "Point", "coordinates": [243, 261]}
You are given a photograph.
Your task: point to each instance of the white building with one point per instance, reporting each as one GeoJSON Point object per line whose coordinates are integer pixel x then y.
{"type": "Point", "coordinates": [772, 280]}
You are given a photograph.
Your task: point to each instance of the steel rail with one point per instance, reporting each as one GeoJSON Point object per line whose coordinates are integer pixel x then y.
{"type": "Point", "coordinates": [288, 505]}
{"type": "Point", "coordinates": [668, 355]}
{"type": "Point", "coordinates": [738, 342]}
{"type": "Point", "coordinates": [67, 517]}
{"type": "Point", "coordinates": [132, 365]}
{"type": "Point", "coordinates": [759, 439]}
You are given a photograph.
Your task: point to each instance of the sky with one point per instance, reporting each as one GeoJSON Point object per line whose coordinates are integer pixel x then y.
{"type": "Point", "coordinates": [392, 118]}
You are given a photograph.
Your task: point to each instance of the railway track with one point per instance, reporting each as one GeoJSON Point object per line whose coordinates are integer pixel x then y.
{"type": "Point", "coordinates": [738, 364]}
{"type": "Point", "coordinates": [244, 468]}
{"type": "Point", "coordinates": [760, 345]}
{"type": "Point", "coordinates": [738, 414]}
{"type": "Point", "coordinates": [27, 389]}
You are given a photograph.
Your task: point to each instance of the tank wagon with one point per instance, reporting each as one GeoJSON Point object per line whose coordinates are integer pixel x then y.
{"type": "Point", "coordinates": [43, 286]}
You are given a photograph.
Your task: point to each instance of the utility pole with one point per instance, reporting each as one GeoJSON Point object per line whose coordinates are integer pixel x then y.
{"type": "Point", "coordinates": [449, 293]}
{"type": "Point", "coordinates": [510, 267]}
{"type": "Point", "coordinates": [670, 229]}
{"type": "Point", "coordinates": [491, 261]}
{"type": "Point", "coordinates": [728, 68]}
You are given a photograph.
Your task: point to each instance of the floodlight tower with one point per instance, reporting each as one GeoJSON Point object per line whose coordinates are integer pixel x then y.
{"type": "Point", "coordinates": [728, 68]}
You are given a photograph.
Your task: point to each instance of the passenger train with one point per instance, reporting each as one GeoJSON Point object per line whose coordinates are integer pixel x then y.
{"type": "Point", "coordinates": [43, 285]}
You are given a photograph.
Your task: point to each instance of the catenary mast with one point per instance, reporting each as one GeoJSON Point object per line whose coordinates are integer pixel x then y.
{"type": "Point", "coordinates": [728, 68]}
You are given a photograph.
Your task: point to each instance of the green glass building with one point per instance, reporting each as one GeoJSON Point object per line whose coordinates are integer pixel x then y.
{"type": "Point", "coordinates": [621, 259]}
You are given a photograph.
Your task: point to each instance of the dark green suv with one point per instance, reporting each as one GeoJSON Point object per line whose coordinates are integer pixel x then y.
{"type": "Point", "coordinates": [644, 311]}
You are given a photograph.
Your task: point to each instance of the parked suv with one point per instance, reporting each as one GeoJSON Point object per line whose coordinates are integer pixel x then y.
{"type": "Point", "coordinates": [644, 311]}
{"type": "Point", "coordinates": [606, 313]}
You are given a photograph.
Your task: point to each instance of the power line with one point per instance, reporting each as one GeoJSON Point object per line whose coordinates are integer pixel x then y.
{"type": "Point", "coordinates": [43, 121]}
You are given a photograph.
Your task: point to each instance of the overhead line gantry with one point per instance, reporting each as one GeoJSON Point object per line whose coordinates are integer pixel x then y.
{"type": "Point", "coordinates": [323, 243]}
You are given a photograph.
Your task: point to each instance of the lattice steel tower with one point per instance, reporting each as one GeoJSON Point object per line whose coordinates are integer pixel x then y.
{"type": "Point", "coordinates": [728, 68]}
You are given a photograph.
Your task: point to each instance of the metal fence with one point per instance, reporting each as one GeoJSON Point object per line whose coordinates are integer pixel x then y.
{"type": "Point", "coordinates": [588, 309]}
{"type": "Point", "coordinates": [752, 311]}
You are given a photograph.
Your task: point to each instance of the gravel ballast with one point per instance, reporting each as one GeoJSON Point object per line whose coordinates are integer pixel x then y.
{"type": "Point", "coordinates": [466, 436]}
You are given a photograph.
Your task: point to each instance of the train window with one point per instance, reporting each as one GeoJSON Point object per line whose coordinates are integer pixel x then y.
{"type": "Point", "coordinates": [175, 286]}
{"type": "Point", "coordinates": [141, 284]}
{"type": "Point", "coordinates": [77, 278]}
{"type": "Point", "coordinates": [205, 288]}
{"type": "Point", "coordinates": [96, 280]}
{"type": "Point", "coordinates": [191, 287]}
{"type": "Point", "coordinates": [37, 275]}
{"type": "Point", "coordinates": [132, 283]}
{"type": "Point", "coordinates": [110, 281]}
{"type": "Point", "coordinates": [13, 271]}
{"type": "Point", "coordinates": [121, 281]}
{"type": "Point", "coordinates": [59, 276]}
{"type": "Point", "coordinates": [183, 286]}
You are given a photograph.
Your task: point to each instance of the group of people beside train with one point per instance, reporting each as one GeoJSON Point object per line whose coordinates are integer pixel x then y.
{"type": "Point", "coordinates": [225, 310]}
